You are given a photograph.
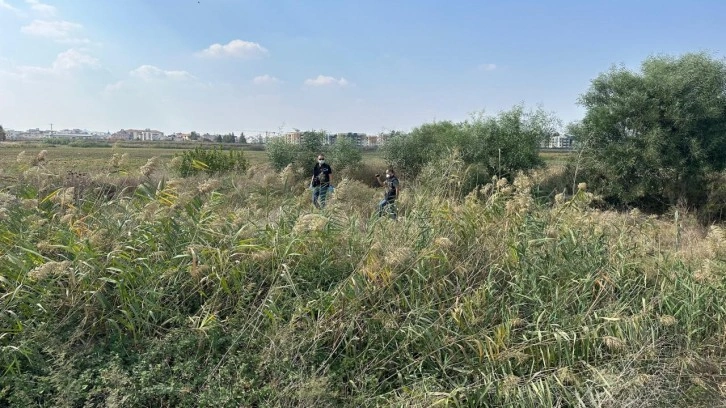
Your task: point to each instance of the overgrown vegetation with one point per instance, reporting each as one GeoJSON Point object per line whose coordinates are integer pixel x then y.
{"type": "Point", "coordinates": [233, 291]}
{"type": "Point", "coordinates": [656, 137]}
{"type": "Point", "coordinates": [492, 145]}
{"type": "Point", "coordinates": [210, 161]}
{"type": "Point", "coordinates": [343, 154]}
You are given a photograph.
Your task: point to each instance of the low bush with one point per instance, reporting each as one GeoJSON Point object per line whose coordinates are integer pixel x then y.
{"type": "Point", "coordinates": [209, 161]}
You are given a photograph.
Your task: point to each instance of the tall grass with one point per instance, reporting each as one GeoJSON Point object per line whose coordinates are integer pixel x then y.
{"type": "Point", "coordinates": [234, 291]}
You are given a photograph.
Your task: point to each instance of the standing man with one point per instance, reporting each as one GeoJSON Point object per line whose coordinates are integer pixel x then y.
{"type": "Point", "coordinates": [389, 198]}
{"type": "Point", "coordinates": [322, 177]}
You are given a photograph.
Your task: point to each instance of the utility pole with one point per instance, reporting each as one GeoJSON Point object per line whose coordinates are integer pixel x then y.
{"type": "Point", "coordinates": [51, 129]}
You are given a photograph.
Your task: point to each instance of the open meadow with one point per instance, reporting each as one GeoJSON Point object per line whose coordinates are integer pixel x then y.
{"type": "Point", "coordinates": [129, 286]}
{"type": "Point", "coordinates": [93, 160]}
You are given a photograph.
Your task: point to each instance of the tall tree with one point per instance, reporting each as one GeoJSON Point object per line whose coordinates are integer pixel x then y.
{"type": "Point", "coordinates": [653, 136]}
{"type": "Point", "coordinates": [2, 133]}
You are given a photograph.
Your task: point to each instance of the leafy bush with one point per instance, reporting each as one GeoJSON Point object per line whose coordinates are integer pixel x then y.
{"type": "Point", "coordinates": [409, 153]}
{"type": "Point", "coordinates": [344, 154]}
{"type": "Point", "coordinates": [652, 137]}
{"type": "Point", "coordinates": [502, 145]}
{"type": "Point", "coordinates": [209, 161]}
{"type": "Point", "coordinates": [280, 153]}
{"type": "Point", "coordinates": [507, 143]}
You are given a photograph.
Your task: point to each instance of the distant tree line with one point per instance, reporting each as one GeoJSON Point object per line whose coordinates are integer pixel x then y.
{"type": "Point", "coordinates": [226, 138]}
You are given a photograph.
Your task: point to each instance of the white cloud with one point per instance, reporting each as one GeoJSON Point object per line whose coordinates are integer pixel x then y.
{"type": "Point", "coordinates": [114, 86]}
{"type": "Point", "coordinates": [235, 48]}
{"type": "Point", "coordinates": [144, 76]}
{"type": "Point", "coordinates": [42, 8]}
{"type": "Point", "coordinates": [149, 73]}
{"type": "Point", "coordinates": [65, 62]}
{"type": "Point", "coordinates": [323, 80]}
{"type": "Point", "coordinates": [72, 59]}
{"type": "Point", "coordinates": [60, 31]}
{"type": "Point", "coordinates": [6, 6]}
{"type": "Point", "coordinates": [488, 67]}
{"type": "Point", "coordinates": [265, 80]}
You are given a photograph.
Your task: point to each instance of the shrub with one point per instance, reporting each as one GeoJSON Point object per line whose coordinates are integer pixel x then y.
{"type": "Point", "coordinates": [344, 154]}
{"type": "Point", "coordinates": [210, 161]}
{"type": "Point", "coordinates": [501, 145]}
{"type": "Point", "coordinates": [280, 153]}
{"type": "Point", "coordinates": [409, 153]}
{"type": "Point", "coordinates": [654, 136]}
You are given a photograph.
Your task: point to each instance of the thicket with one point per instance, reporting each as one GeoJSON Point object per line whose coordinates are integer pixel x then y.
{"type": "Point", "coordinates": [500, 145]}
{"type": "Point", "coordinates": [209, 161]}
{"type": "Point", "coordinates": [342, 155]}
{"type": "Point", "coordinates": [657, 138]}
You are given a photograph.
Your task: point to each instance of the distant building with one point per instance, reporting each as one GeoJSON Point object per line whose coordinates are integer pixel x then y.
{"type": "Point", "coordinates": [179, 136]}
{"type": "Point", "coordinates": [384, 137]}
{"type": "Point", "coordinates": [358, 138]}
{"type": "Point", "coordinates": [292, 137]}
{"type": "Point", "coordinates": [561, 142]}
{"type": "Point", "coordinates": [121, 135]}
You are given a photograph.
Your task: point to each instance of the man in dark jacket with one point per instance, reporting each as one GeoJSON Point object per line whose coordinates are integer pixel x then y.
{"type": "Point", "coordinates": [320, 182]}
{"type": "Point", "coordinates": [389, 199]}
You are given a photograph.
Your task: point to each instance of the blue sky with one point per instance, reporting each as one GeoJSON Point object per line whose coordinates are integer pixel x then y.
{"type": "Point", "coordinates": [362, 66]}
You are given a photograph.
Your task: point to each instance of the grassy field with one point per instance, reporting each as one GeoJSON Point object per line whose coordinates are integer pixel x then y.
{"type": "Point", "coordinates": [234, 291]}
{"type": "Point", "coordinates": [95, 160]}
{"type": "Point", "coordinates": [557, 157]}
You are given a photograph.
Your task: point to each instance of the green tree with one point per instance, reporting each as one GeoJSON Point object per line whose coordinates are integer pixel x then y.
{"type": "Point", "coordinates": [280, 153]}
{"type": "Point", "coordinates": [502, 144]}
{"type": "Point", "coordinates": [311, 143]}
{"type": "Point", "coordinates": [242, 138]}
{"type": "Point", "coordinates": [194, 136]}
{"type": "Point", "coordinates": [653, 136]}
{"type": "Point", "coordinates": [506, 143]}
{"type": "Point", "coordinates": [344, 153]}
{"type": "Point", "coordinates": [410, 152]}
{"type": "Point", "coordinates": [2, 133]}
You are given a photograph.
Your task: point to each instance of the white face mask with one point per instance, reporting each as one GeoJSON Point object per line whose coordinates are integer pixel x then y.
{"type": "Point", "coordinates": [388, 175]}
{"type": "Point", "coordinates": [321, 161]}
